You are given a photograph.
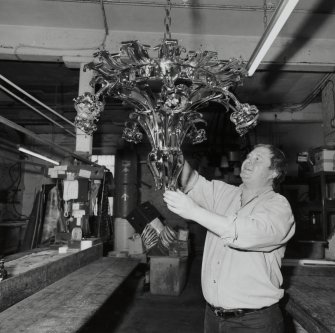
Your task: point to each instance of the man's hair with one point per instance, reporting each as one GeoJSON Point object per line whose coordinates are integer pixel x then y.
{"type": "Point", "coordinates": [278, 163]}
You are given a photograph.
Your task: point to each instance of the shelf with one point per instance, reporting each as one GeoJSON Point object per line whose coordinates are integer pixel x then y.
{"type": "Point", "coordinates": [319, 204]}
{"type": "Point", "coordinates": [329, 204]}
{"type": "Point", "coordinates": [320, 174]}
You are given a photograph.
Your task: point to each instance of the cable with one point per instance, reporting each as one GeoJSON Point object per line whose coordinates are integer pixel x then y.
{"type": "Point", "coordinates": [15, 192]}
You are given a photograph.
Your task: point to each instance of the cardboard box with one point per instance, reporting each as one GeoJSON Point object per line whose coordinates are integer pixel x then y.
{"type": "Point", "coordinates": [324, 165]}
{"type": "Point", "coordinates": [167, 275]}
{"type": "Point", "coordinates": [76, 172]}
{"type": "Point", "coordinates": [183, 234]}
{"type": "Point", "coordinates": [179, 248]}
{"type": "Point", "coordinates": [135, 245]}
{"type": "Point", "coordinates": [142, 215]}
{"type": "Point", "coordinates": [324, 154]}
{"type": "Point", "coordinates": [323, 159]}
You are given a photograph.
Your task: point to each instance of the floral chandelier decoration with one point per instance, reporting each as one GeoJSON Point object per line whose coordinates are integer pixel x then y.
{"type": "Point", "coordinates": [166, 92]}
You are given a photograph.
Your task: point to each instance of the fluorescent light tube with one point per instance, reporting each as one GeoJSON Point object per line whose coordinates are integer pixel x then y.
{"type": "Point", "coordinates": [282, 13]}
{"type": "Point", "coordinates": [42, 157]}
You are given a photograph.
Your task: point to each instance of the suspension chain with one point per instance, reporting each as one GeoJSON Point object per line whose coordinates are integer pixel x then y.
{"type": "Point", "coordinates": [167, 20]}
{"type": "Point", "coordinates": [265, 16]}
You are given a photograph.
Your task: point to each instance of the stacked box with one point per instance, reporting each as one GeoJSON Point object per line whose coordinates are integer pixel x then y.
{"type": "Point", "coordinates": [324, 160]}
{"type": "Point", "coordinates": [167, 275]}
{"type": "Point", "coordinates": [179, 248]}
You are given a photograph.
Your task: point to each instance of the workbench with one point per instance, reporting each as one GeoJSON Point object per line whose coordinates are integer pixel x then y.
{"type": "Point", "coordinates": [68, 304]}
{"type": "Point", "coordinates": [311, 296]}
{"type": "Point", "coordinates": [31, 271]}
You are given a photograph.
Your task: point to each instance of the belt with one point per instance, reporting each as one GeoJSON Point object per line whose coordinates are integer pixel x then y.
{"type": "Point", "coordinates": [230, 313]}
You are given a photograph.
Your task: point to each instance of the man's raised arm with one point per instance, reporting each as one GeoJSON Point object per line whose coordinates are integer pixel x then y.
{"type": "Point", "coordinates": [187, 177]}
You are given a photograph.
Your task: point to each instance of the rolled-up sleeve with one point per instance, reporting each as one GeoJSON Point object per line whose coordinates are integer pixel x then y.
{"type": "Point", "coordinates": [216, 196]}
{"type": "Point", "coordinates": [268, 226]}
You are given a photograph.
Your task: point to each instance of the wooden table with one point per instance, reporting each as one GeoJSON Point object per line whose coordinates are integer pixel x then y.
{"type": "Point", "coordinates": [311, 301]}
{"type": "Point", "coordinates": [66, 305]}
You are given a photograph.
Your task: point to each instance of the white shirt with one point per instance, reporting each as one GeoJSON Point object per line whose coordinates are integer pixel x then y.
{"type": "Point", "coordinates": [241, 269]}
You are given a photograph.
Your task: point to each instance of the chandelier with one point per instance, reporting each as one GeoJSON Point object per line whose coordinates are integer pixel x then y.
{"type": "Point", "coordinates": [166, 86]}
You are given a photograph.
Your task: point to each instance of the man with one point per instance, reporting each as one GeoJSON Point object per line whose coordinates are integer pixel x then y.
{"type": "Point", "coordinates": [248, 228]}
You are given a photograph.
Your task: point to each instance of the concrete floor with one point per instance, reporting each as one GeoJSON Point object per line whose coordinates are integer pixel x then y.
{"type": "Point", "coordinates": [133, 309]}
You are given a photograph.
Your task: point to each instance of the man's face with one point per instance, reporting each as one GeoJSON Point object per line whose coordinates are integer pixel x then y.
{"type": "Point", "coordinates": [256, 170]}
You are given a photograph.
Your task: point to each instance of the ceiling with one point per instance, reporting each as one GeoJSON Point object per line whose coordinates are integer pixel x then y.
{"type": "Point", "coordinates": [43, 43]}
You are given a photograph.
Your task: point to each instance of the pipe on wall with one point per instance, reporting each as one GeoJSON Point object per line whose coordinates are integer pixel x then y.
{"type": "Point", "coordinates": [36, 100]}
{"type": "Point", "coordinates": [46, 142]}
{"type": "Point", "coordinates": [291, 117]}
{"type": "Point", "coordinates": [36, 110]}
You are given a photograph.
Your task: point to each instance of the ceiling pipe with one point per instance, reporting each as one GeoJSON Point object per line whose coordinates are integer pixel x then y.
{"type": "Point", "coordinates": [46, 142]}
{"type": "Point", "coordinates": [303, 117]}
{"type": "Point", "coordinates": [36, 110]}
{"type": "Point", "coordinates": [17, 160]}
{"type": "Point", "coordinates": [36, 100]}
{"type": "Point", "coordinates": [309, 99]}
{"type": "Point", "coordinates": [304, 112]}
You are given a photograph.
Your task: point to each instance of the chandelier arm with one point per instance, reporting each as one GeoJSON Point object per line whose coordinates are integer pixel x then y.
{"type": "Point", "coordinates": [152, 162]}
{"type": "Point", "coordinates": [206, 57]}
{"type": "Point", "coordinates": [116, 63]}
{"type": "Point", "coordinates": [167, 130]}
{"type": "Point", "coordinates": [167, 166]}
{"type": "Point", "coordinates": [244, 116]}
{"type": "Point", "coordinates": [157, 122]}
{"type": "Point", "coordinates": [187, 128]}
{"type": "Point", "coordinates": [172, 132]}
{"type": "Point", "coordinates": [195, 90]}
{"type": "Point", "coordinates": [177, 169]}
{"type": "Point", "coordinates": [104, 87]}
{"type": "Point", "coordinates": [111, 60]}
{"type": "Point", "coordinates": [149, 96]}
{"type": "Point", "coordinates": [188, 123]}
{"type": "Point", "coordinates": [138, 105]}
{"type": "Point", "coordinates": [102, 71]}
{"type": "Point", "coordinates": [248, 123]}
{"type": "Point", "coordinates": [233, 97]}
{"type": "Point", "coordinates": [135, 52]}
{"type": "Point", "coordinates": [228, 82]}
{"type": "Point", "coordinates": [147, 127]}
{"type": "Point", "coordinates": [200, 103]}
{"type": "Point", "coordinates": [154, 122]}
{"type": "Point", "coordinates": [201, 70]}
{"type": "Point", "coordinates": [133, 56]}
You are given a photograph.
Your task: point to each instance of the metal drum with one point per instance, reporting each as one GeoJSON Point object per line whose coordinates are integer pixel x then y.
{"type": "Point", "coordinates": [125, 200]}
{"type": "Point", "coordinates": [125, 167]}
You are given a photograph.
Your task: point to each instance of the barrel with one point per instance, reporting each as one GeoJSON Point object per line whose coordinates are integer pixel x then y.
{"type": "Point", "coordinates": [125, 167]}
{"type": "Point", "coordinates": [122, 231]}
{"type": "Point", "coordinates": [126, 197]}
{"type": "Point", "coordinates": [126, 191]}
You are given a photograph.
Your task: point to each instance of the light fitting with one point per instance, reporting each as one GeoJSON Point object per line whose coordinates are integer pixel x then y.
{"type": "Point", "coordinates": [280, 16]}
{"type": "Point", "coordinates": [166, 86]}
{"type": "Point", "coordinates": [42, 157]}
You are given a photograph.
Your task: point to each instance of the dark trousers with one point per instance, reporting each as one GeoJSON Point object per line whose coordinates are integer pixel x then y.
{"type": "Point", "coordinates": [269, 320]}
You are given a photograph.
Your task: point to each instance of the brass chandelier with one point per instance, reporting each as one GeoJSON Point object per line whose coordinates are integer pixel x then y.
{"type": "Point", "coordinates": [166, 86]}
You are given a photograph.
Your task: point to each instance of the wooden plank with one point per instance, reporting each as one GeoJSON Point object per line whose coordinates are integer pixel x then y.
{"type": "Point", "coordinates": [66, 305]}
{"type": "Point", "coordinates": [31, 273]}
{"type": "Point", "coordinates": [311, 298]}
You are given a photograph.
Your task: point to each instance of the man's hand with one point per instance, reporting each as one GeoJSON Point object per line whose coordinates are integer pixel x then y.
{"type": "Point", "coordinates": [180, 204]}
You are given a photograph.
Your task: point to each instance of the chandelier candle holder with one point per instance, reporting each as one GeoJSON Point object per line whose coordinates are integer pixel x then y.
{"type": "Point", "coordinates": [166, 91]}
